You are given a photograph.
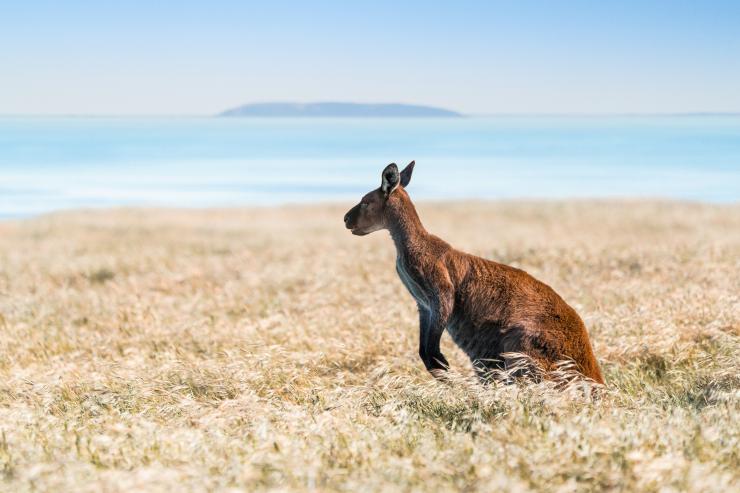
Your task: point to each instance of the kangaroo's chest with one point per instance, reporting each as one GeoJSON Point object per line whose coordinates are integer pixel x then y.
{"type": "Point", "coordinates": [413, 282]}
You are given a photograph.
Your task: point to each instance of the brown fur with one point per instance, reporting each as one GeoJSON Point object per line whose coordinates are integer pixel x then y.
{"type": "Point", "coordinates": [489, 309]}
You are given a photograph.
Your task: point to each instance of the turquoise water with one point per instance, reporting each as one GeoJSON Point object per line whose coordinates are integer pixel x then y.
{"type": "Point", "coordinates": [58, 163]}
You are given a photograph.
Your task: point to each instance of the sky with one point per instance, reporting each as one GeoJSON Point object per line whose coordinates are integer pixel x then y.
{"type": "Point", "coordinates": [517, 56]}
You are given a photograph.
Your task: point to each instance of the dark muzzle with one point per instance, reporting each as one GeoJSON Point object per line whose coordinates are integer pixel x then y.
{"type": "Point", "coordinates": [350, 219]}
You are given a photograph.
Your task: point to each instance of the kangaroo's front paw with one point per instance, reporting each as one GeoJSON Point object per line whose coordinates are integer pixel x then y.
{"type": "Point", "coordinates": [440, 374]}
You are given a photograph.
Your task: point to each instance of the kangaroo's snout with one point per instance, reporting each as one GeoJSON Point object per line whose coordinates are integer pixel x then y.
{"type": "Point", "coordinates": [350, 219]}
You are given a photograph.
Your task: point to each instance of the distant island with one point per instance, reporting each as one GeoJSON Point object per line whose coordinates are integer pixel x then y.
{"type": "Point", "coordinates": [360, 110]}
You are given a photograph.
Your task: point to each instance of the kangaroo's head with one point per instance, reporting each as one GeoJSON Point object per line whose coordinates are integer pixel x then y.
{"type": "Point", "coordinates": [370, 214]}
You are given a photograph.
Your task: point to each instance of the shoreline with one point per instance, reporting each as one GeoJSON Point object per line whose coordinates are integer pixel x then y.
{"type": "Point", "coordinates": [616, 201]}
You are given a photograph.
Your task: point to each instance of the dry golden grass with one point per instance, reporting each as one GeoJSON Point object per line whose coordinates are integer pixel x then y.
{"type": "Point", "coordinates": [268, 349]}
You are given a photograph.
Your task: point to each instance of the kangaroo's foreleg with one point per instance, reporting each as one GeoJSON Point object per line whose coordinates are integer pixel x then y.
{"type": "Point", "coordinates": [429, 338]}
{"type": "Point", "coordinates": [433, 321]}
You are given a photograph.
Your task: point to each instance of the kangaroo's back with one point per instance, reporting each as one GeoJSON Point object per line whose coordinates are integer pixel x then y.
{"type": "Point", "coordinates": [500, 309]}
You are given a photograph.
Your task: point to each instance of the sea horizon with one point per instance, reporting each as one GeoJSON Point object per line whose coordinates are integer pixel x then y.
{"type": "Point", "coordinates": [677, 114]}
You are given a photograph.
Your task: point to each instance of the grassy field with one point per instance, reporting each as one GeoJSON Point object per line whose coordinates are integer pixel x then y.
{"type": "Point", "coordinates": [268, 349]}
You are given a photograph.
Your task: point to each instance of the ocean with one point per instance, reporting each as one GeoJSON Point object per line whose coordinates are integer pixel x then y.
{"type": "Point", "coordinates": [54, 163]}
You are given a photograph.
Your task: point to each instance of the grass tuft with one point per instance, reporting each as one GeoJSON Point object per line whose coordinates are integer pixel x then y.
{"type": "Point", "coordinates": [101, 276]}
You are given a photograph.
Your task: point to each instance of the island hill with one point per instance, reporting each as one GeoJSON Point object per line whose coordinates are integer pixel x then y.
{"type": "Point", "coordinates": [358, 110]}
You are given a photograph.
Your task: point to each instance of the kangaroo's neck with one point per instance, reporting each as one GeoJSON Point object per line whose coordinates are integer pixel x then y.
{"type": "Point", "coordinates": [405, 226]}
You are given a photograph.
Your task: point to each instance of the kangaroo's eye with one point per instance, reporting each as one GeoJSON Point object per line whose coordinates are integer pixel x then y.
{"type": "Point", "coordinates": [363, 205]}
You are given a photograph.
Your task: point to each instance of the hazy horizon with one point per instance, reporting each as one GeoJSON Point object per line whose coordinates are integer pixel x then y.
{"type": "Point", "coordinates": [476, 58]}
{"type": "Point", "coordinates": [463, 115]}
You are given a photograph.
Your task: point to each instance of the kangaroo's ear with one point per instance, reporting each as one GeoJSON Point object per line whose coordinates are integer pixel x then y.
{"type": "Point", "coordinates": [390, 180]}
{"type": "Point", "coordinates": [406, 174]}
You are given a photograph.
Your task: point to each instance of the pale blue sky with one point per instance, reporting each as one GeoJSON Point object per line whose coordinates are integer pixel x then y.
{"type": "Point", "coordinates": [134, 57]}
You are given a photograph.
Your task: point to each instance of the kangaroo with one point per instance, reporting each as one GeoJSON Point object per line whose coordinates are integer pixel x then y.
{"type": "Point", "coordinates": [489, 309]}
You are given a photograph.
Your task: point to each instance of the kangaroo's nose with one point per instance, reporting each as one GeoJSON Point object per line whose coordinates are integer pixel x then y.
{"type": "Point", "coordinates": [346, 218]}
